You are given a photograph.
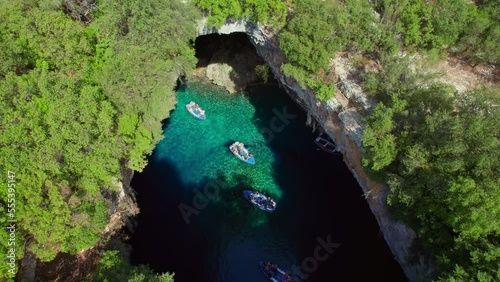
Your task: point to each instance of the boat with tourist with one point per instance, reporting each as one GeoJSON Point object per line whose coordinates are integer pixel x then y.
{"type": "Point", "coordinates": [260, 200]}
{"type": "Point", "coordinates": [196, 110]}
{"type": "Point", "coordinates": [242, 153]}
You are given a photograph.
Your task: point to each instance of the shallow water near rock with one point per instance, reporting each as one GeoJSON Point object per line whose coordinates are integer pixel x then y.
{"type": "Point", "coordinates": [318, 198]}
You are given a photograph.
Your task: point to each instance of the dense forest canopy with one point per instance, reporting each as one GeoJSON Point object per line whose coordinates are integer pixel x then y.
{"type": "Point", "coordinates": [263, 11]}
{"type": "Point", "coordinates": [83, 91]}
{"type": "Point", "coordinates": [439, 152]}
{"type": "Point", "coordinates": [78, 101]}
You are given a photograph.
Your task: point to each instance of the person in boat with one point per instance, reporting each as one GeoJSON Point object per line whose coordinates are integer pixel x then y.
{"type": "Point", "coordinates": [234, 148]}
{"type": "Point", "coordinates": [270, 204]}
{"type": "Point", "coordinates": [255, 198]}
{"type": "Point", "coordinates": [241, 148]}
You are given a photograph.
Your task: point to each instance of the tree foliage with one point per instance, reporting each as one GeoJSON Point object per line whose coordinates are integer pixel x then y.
{"type": "Point", "coordinates": [470, 29]}
{"type": "Point", "coordinates": [479, 42]}
{"type": "Point", "coordinates": [317, 30]}
{"type": "Point", "coordinates": [114, 268]}
{"type": "Point", "coordinates": [78, 101]}
{"type": "Point", "coordinates": [261, 11]}
{"type": "Point", "coordinates": [263, 71]}
{"type": "Point", "coordinates": [441, 162]}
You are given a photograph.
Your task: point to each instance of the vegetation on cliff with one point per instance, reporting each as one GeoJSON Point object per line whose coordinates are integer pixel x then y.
{"type": "Point", "coordinates": [78, 102]}
{"type": "Point", "coordinates": [437, 150]}
{"type": "Point", "coordinates": [81, 100]}
{"type": "Point", "coordinates": [114, 268]}
{"type": "Point", "coordinates": [263, 11]}
{"type": "Point", "coordinates": [318, 29]}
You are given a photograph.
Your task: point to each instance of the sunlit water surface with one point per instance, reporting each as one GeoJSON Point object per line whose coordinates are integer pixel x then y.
{"type": "Point", "coordinates": [317, 196]}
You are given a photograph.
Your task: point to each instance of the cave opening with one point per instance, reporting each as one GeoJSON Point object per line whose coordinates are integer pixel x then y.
{"type": "Point", "coordinates": [230, 59]}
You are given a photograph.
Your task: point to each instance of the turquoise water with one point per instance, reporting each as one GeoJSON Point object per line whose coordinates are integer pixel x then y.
{"type": "Point", "coordinates": [227, 237]}
{"type": "Point", "coordinates": [200, 148]}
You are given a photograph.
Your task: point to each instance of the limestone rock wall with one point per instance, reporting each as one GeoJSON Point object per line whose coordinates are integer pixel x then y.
{"type": "Point", "coordinates": [343, 124]}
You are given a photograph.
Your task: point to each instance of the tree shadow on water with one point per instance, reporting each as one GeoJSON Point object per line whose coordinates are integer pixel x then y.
{"type": "Point", "coordinates": [163, 239]}
{"type": "Point", "coordinates": [229, 210]}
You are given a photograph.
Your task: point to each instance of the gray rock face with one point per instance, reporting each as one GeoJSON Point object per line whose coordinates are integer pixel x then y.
{"type": "Point", "coordinates": [220, 74]}
{"type": "Point", "coordinates": [343, 125]}
{"type": "Point", "coordinates": [349, 88]}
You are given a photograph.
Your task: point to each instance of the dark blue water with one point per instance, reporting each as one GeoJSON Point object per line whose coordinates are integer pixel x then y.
{"type": "Point", "coordinates": [318, 198]}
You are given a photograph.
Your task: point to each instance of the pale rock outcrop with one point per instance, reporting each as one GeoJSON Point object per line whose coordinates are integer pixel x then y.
{"type": "Point", "coordinates": [349, 88]}
{"type": "Point", "coordinates": [220, 74]}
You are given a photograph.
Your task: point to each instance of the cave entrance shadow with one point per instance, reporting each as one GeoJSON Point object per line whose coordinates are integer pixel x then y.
{"type": "Point", "coordinates": [320, 193]}
{"type": "Point", "coordinates": [161, 229]}
{"type": "Point", "coordinates": [311, 206]}
{"type": "Point", "coordinates": [234, 50]}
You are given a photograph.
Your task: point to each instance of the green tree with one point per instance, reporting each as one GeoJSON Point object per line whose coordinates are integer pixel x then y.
{"type": "Point", "coordinates": [263, 72]}
{"type": "Point", "coordinates": [113, 267]}
{"type": "Point", "coordinates": [378, 137]}
{"type": "Point", "coordinates": [261, 11]}
{"type": "Point", "coordinates": [443, 176]}
{"type": "Point", "coordinates": [78, 102]}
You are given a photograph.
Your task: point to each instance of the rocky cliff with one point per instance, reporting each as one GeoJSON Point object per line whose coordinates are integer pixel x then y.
{"type": "Point", "coordinates": [342, 119]}
{"type": "Point", "coordinates": [80, 267]}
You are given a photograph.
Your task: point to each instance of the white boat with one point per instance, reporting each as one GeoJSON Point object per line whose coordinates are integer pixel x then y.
{"type": "Point", "coordinates": [238, 149]}
{"type": "Point", "coordinates": [196, 110]}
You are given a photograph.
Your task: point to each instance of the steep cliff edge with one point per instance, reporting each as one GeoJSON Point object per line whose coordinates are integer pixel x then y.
{"type": "Point", "coordinates": [80, 267]}
{"type": "Point", "coordinates": [342, 120]}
